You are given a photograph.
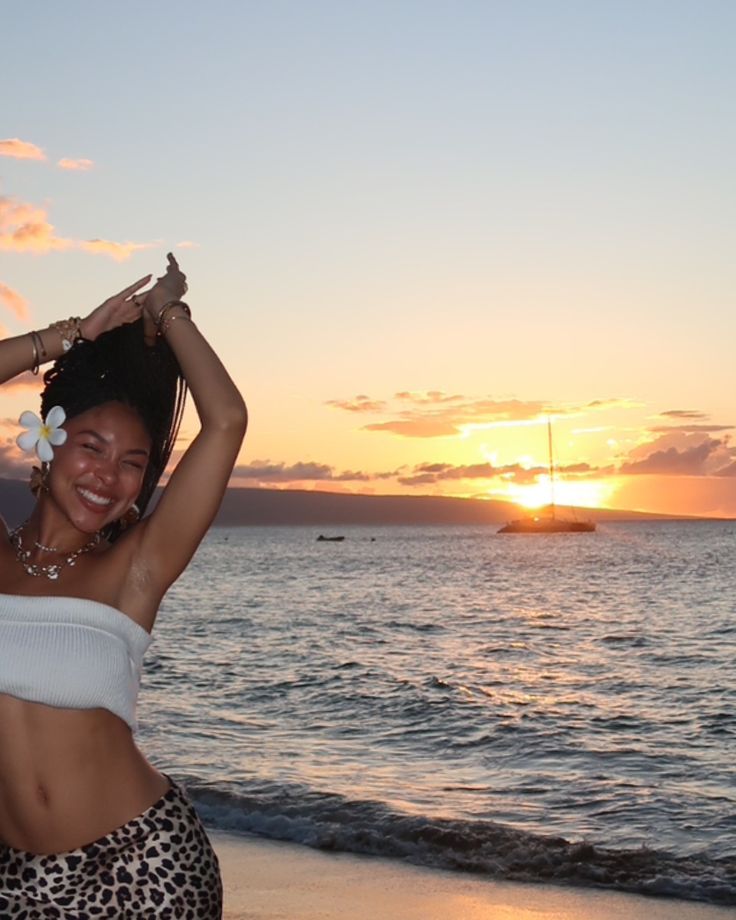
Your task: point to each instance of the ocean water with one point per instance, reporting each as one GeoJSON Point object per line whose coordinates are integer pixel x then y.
{"type": "Point", "coordinates": [557, 708]}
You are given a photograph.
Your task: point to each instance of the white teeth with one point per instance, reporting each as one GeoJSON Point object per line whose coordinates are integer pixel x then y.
{"type": "Point", "coordinates": [97, 499]}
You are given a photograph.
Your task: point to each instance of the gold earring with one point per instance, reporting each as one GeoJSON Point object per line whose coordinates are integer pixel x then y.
{"type": "Point", "coordinates": [130, 517]}
{"type": "Point", "coordinates": [39, 479]}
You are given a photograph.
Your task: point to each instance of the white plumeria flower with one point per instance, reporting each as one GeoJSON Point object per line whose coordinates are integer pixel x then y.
{"type": "Point", "coordinates": [42, 435]}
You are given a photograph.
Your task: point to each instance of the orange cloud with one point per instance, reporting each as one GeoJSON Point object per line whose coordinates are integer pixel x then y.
{"type": "Point", "coordinates": [431, 473]}
{"type": "Point", "coordinates": [692, 420]}
{"type": "Point", "coordinates": [660, 429]}
{"type": "Point", "coordinates": [434, 414]}
{"type": "Point", "coordinates": [14, 302]}
{"type": "Point", "coordinates": [26, 228]}
{"type": "Point", "coordinates": [683, 413]}
{"type": "Point", "coordinates": [303, 471]}
{"type": "Point", "coordinates": [416, 428]}
{"type": "Point", "coordinates": [118, 251]}
{"type": "Point", "coordinates": [615, 403]}
{"type": "Point", "coordinates": [681, 453]}
{"type": "Point", "coordinates": [361, 403]}
{"type": "Point", "coordinates": [20, 150]}
{"type": "Point", "coordinates": [80, 165]}
{"type": "Point", "coordinates": [425, 473]}
{"type": "Point", "coordinates": [430, 397]}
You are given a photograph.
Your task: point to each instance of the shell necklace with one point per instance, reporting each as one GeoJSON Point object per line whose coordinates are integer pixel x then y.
{"type": "Point", "coordinates": [52, 570]}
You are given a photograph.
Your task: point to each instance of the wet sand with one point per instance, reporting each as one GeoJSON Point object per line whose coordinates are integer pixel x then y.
{"type": "Point", "coordinates": [268, 880]}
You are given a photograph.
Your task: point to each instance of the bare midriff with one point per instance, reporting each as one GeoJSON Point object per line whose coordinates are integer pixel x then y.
{"type": "Point", "coordinates": [68, 776]}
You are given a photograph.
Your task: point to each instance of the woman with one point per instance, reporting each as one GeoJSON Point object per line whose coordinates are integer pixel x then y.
{"type": "Point", "coordinates": [88, 828]}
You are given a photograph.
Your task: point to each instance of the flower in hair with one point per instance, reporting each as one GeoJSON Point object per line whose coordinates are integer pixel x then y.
{"type": "Point", "coordinates": [42, 434]}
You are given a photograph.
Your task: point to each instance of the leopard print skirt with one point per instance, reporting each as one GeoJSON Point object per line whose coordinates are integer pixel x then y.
{"type": "Point", "coordinates": [159, 865]}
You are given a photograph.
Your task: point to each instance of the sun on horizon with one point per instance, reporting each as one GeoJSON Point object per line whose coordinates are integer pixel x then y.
{"type": "Point", "coordinates": [593, 494]}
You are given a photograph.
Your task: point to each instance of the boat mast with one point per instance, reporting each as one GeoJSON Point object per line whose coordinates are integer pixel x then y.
{"type": "Point", "coordinates": [551, 467]}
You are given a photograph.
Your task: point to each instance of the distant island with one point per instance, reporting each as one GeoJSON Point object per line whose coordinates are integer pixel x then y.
{"type": "Point", "coordinates": [244, 507]}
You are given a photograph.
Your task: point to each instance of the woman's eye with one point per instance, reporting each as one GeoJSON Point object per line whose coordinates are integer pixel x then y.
{"type": "Point", "coordinates": [93, 447]}
{"type": "Point", "coordinates": [134, 464]}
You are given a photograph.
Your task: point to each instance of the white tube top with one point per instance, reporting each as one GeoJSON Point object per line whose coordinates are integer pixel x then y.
{"type": "Point", "coordinates": [72, 653]}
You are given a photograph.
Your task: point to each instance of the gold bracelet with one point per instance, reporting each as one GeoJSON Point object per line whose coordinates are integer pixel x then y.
{"type": "Point", "coordinates": [42, 348]}
{"type": "Point", "coordinates": [164, 327]}
{"type": "Point", "coordinates": [69, 331]}
{"type": "Point", "coordinates": [35, 365]}
{"type": "Point", "coordinates": [40, 355]}
{"type": "Point", "coordinates": [169, 305]}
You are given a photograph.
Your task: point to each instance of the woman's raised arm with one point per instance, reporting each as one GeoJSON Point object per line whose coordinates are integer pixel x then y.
{"type": "Point", "coordinates": [168, 538]}
{"type": "Point", "coordinates": [31, 350]}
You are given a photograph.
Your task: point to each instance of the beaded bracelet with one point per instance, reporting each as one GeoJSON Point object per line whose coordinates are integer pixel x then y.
{"type": "Point", "coordinates": [69, 331]}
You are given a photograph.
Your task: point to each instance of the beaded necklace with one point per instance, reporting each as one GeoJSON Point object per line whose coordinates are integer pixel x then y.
{"type": "Point", "coordinates": [52, 570]}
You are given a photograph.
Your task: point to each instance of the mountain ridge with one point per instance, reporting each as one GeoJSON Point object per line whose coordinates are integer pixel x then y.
{"type": "Point", "coordinates": [247, 507]}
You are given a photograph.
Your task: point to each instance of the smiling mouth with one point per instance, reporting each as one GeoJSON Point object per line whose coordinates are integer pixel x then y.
{"type": "Point", "coordinates": [99, 500]}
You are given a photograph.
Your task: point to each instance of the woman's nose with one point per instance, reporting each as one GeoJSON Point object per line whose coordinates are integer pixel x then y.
{"type": "Point", "coordinates": [106, 471]}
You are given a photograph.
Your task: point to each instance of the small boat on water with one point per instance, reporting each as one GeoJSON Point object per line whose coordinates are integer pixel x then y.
{"type": "Point", "coordinates": [323, 539]}
{"type": "Point", "coordinates": [548, 522]}
{"type": "Point", "coordinates": [545, 524]}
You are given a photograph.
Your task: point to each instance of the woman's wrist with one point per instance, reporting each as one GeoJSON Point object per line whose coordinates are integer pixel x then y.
{"type": "Point", "coordinates": [161, 309]}
{"type": "Point", "coordinates": [55, 340]}
{"type": "Point", "coordinates": [173, 310]}
{"type": "Point", "coordinates": [68, 330]}
{"type": "Point", "coordinates": [86, 330]}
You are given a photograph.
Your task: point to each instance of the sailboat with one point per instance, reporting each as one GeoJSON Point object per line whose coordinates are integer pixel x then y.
{"type": "Point", "coordinates": [548, 522]}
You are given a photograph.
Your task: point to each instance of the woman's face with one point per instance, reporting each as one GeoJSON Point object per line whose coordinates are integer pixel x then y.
{"type": "Point", "coordinates": [97, 473]}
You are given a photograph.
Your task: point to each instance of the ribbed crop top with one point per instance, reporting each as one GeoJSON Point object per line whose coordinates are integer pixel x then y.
{"type": "Point", "coordinates": [71, 652]}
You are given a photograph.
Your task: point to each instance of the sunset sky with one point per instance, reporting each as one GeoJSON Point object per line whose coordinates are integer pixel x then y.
{"type": "Point", "coordinates": [413, 230]}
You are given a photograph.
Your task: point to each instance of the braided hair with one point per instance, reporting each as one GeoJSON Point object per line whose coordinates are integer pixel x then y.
{"type": "Point", "coordinates": [119, 367]}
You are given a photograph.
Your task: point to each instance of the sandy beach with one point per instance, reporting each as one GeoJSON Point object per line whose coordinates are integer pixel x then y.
{"type": "Point", "coordinates": [268, 880]}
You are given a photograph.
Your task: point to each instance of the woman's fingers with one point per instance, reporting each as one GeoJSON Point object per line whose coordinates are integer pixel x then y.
{"type": "Point", "coordinates": [127, 293]}
{"type": "Point", "coordinates": [137, 285]}
{"type": "Point", "coordinates": [172, 269]}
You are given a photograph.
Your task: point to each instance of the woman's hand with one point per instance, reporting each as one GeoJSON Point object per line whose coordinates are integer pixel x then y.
{"type": "Point", "coordinates": [115, 311]}
{"type": "Point", "coordinates": [172, 285]}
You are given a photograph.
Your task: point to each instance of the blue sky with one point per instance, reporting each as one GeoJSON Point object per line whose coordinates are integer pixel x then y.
{"type": "Point", "coordinates": [528, 199]}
